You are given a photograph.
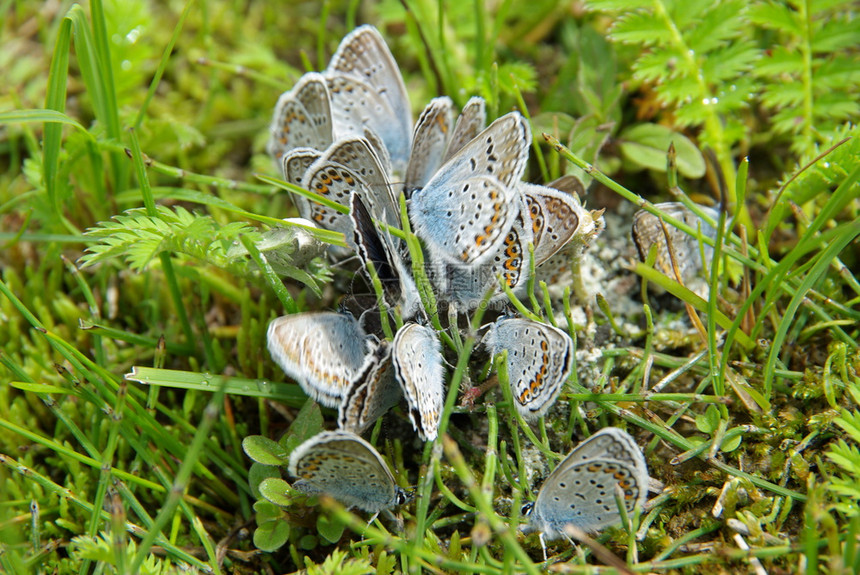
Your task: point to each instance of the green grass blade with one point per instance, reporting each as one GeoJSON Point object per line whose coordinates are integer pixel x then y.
{"type": "Point", "coordinates": [815, 275]}
{"type": "Point", "coordinates": [55, 99]}
{"type": "Point", "coordinates": [289, 393]}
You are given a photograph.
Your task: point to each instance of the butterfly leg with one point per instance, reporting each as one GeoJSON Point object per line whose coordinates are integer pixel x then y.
{"type": "Point", "coordinates": [373, 518]}
{"type": "Point", "coordinates": [543, 546]}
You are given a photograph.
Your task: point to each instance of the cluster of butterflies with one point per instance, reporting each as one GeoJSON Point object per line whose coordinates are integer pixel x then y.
{"type": "Point", "coordinates": [346, 135]}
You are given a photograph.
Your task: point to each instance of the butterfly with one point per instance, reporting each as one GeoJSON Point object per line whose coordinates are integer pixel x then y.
{"type": "Point", "coordinates": [325, 352]}
{"type": "Point", "coordinates": [649, 231]}
{"type": "Point", "coordinates": [302, 118]}
{"type": "Point", "coordinates": [539, 361]}
{"type": "Point", "coordinates": [368, 95]}
{"type": "Point", "coordinates": [464, 212]}
{"type": "Point", "coordinates": [349, 469]}
{"type": "Point", "coordinates": [581, 491]}
{"type": "Point", "coordinates": [417, 359]}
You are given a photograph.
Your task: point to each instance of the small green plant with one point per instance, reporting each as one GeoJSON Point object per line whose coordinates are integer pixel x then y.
{"type": "Point", "coordinates": [276, 497]}
{"type": "Point", "coordinates": [103, 549]}
{"type": "Point", "coordinates": [339, 563]}
{"type": "Point", "coordinates": [696, 58]}
{"type": "Point", "coordinates": [845, 485]}
{"type": "Point", "coordinates": [810, 73]}
{"type": "Point", "coordinates": [139, 238]}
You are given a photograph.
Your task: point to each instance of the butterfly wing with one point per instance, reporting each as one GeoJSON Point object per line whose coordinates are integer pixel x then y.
{"type": "Point", "coordinates": [345, 466]}
{"type": "Point", "coordinates": [582, 494]}
{"type": "Point", "coordinates": [429, 141]}
{"type": "Point", "coordinates": [581, 490]}
{"type": "Point", "coordinates": [558, 268]}
{"type": "Point", "coordinates": [554, 218]}
{"type": "Point", "coordinates": [377, 96]}
{"type": "Point", "coordinates": [417, 359]}
{"type": "Point", "coordinates": [334, 182]}
{"type": "Point", "coordinates": [357, 154]}
{"type": "Point", "coordinates": [371, 395]}
{"type": "Point", "coordinates": [648, 230]}
{"type": "Point", "coordinates": [295, 164]}
{"type": "Point", "coordinates": [540, 359]}
{"type": "Point", "coordinates": [363, 54]}
{"type": "Point", "coordinates": [311, 91]}
{"type": "Point", "coordinates": [323, 351]}
{"type": "Point", "coordinates": [511, 263]}
{"type": "Point", "coordinates": [302, 118]}
{"type": "Point", "coordinates": [470, 122]}
{"type": "Point", "coordinates": [297, 161]}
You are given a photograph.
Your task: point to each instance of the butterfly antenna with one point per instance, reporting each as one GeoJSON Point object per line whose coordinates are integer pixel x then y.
{"type": "Point", "coordinates": [346, 261]}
